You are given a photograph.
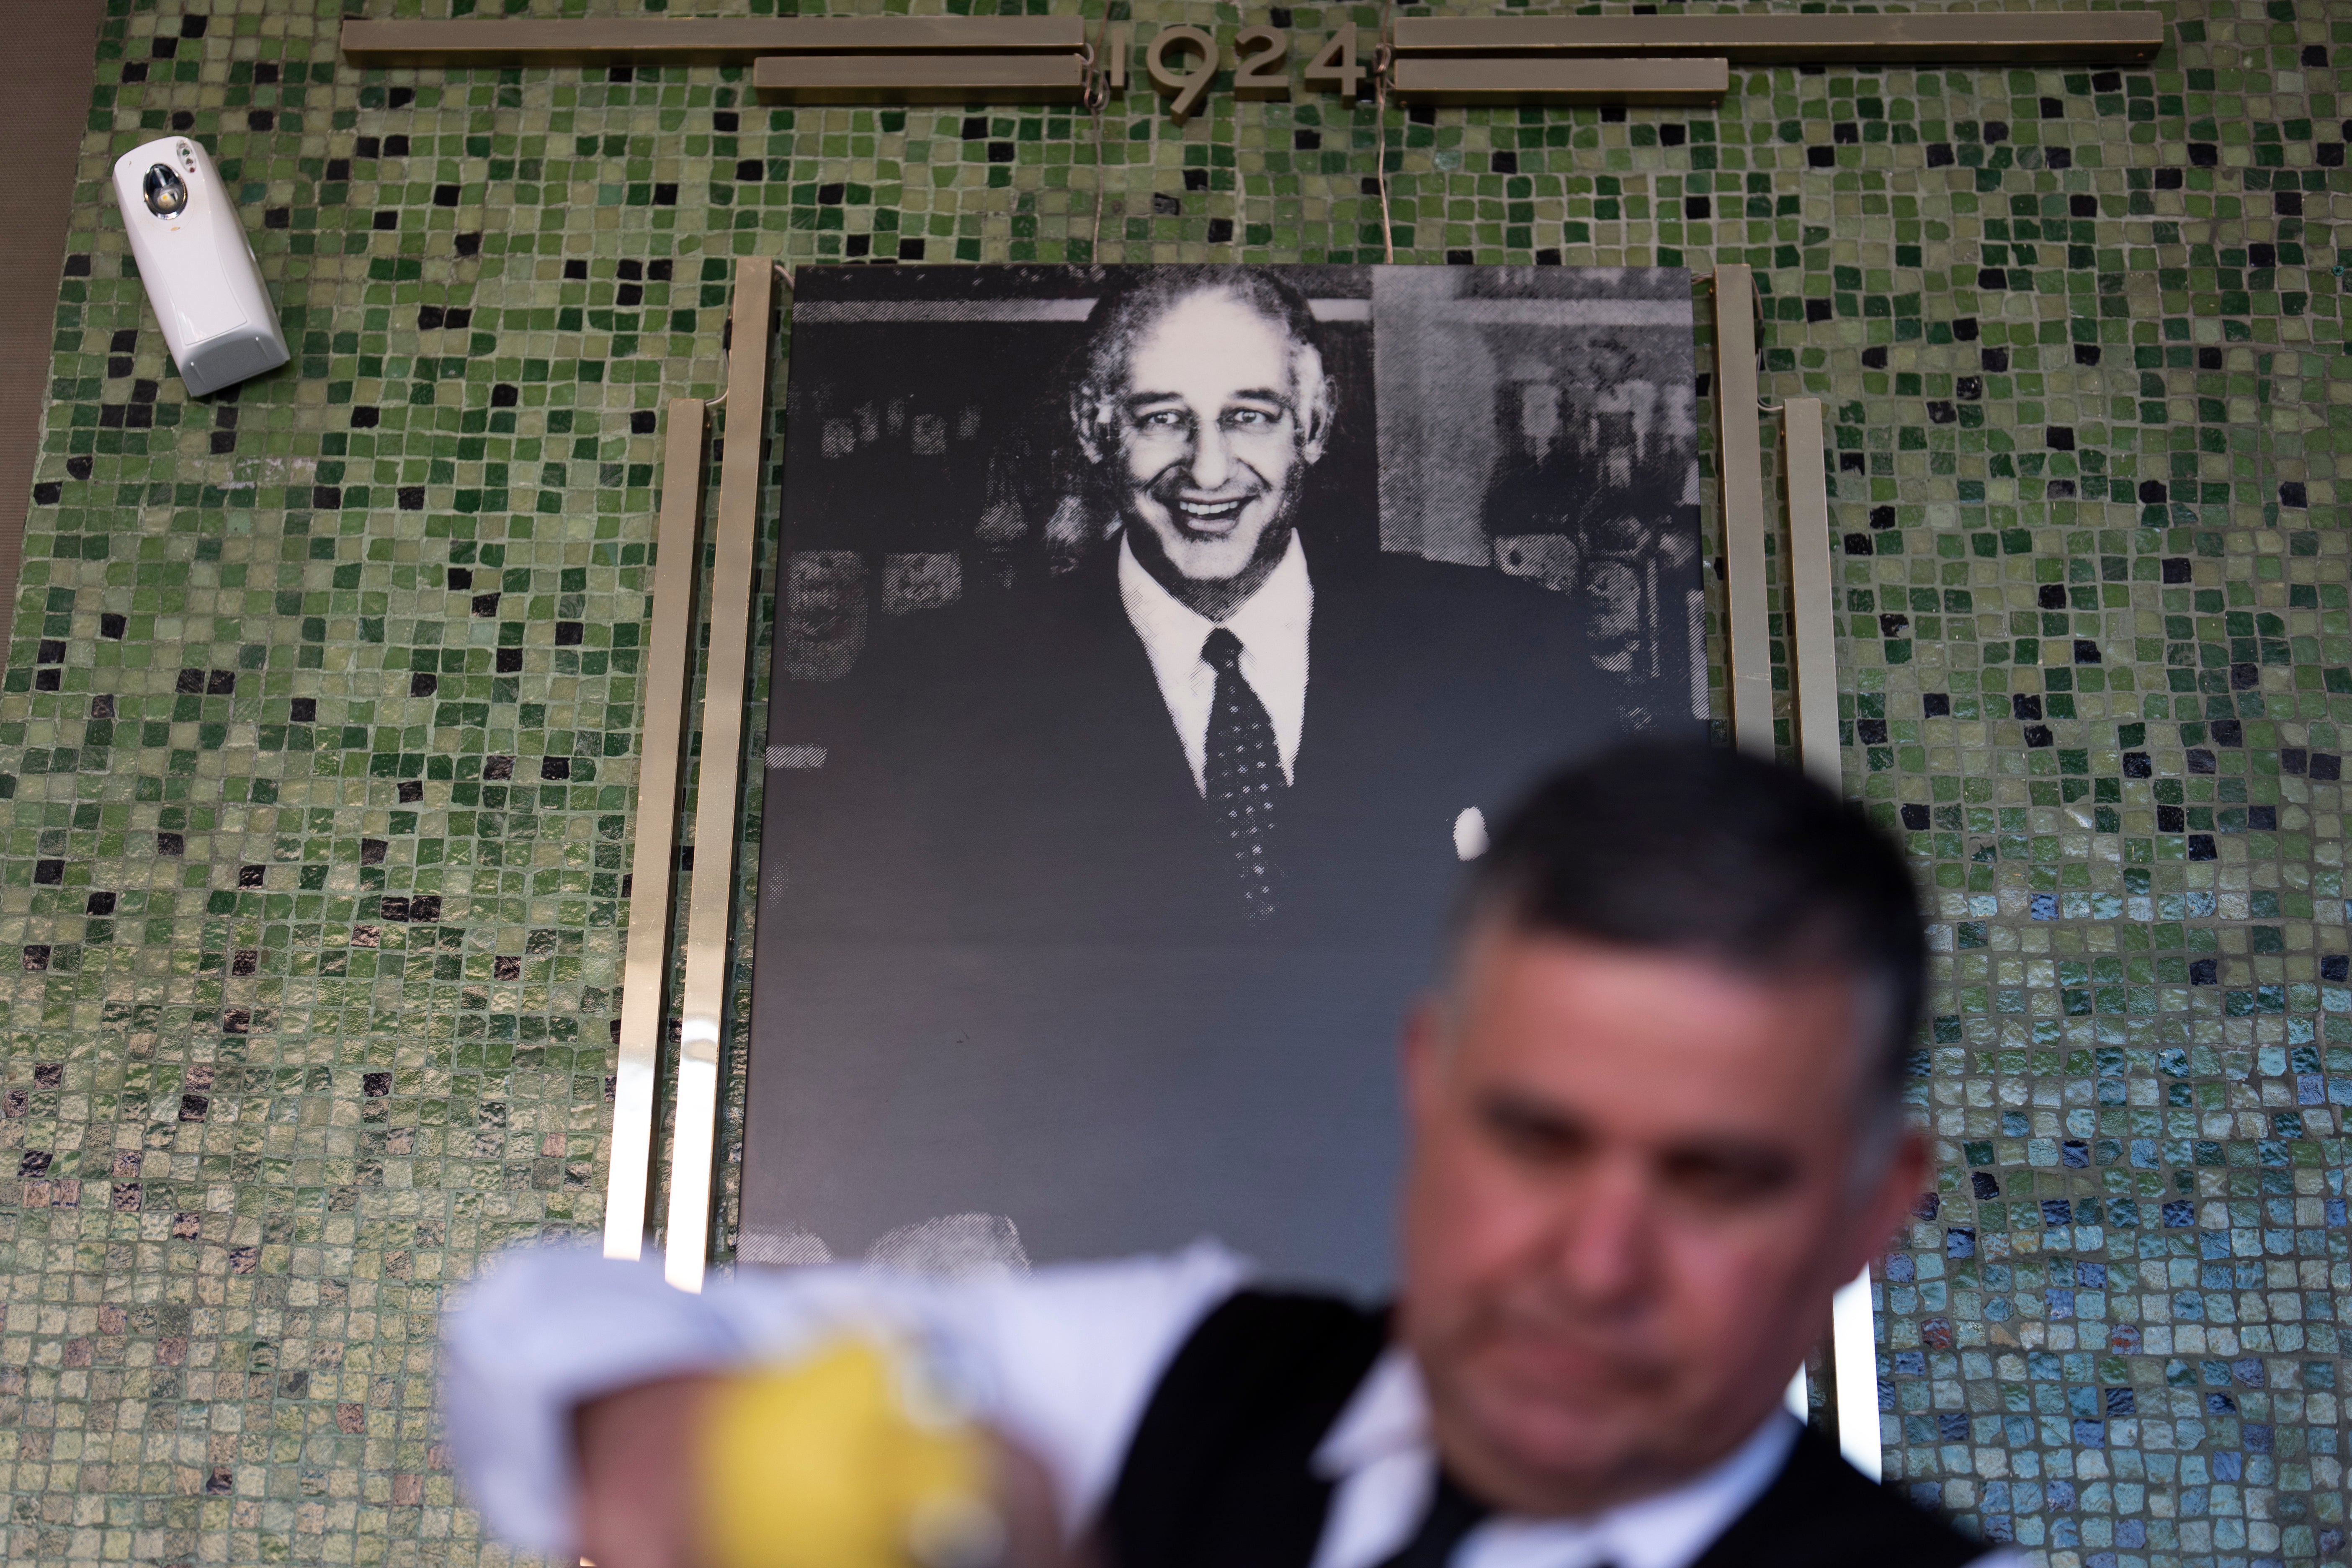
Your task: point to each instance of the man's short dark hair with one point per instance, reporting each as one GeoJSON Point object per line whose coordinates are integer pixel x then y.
{"type": "Point", "coordinates": [1703, 851]}
{"type": "Point", "coordinates": [1138, 295]}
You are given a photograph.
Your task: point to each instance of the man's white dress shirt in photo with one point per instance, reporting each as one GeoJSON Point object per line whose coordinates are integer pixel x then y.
{"type": "Point", "coordinates": [1272, 626]}
{"type": "Point", "coordinates": [1063, 1361]}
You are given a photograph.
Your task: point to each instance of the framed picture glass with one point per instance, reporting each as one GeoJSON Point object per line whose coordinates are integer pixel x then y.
{"type": "Point", "coordinates": [1156, 644]}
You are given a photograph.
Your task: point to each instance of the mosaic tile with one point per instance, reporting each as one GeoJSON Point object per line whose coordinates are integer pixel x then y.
{"type": "Point", "coordinates": [318, 736]}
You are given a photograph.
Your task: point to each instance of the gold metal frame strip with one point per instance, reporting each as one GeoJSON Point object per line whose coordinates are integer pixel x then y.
{"type": "Point", "coordinates": [710, 903]}
{"type": "Point", "coordinates": [1739, 482]}
{"type": "Point", "coordinates": [645, 975]}
{"type": "Point", "coordinates": [733, 40]}
{"type": "Point", "coordinates": [2046, 37]}
{"type": "Point", "coordinates": [1813, 613]}
{"type": "Point", "coordinates": [919, 79]}
{"type": "Point", "coordinates": [1853, 1352]}
{"type": "Point", "coordinates": [1557, 79]}
{"type": "Point", "coordinates": [1811, 596]}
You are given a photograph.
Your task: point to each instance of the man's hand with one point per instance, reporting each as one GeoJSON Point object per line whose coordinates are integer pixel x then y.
{"type": "Point", "coordinates": [642, 1504]}
{"type": "Point", "coordinates": [638, 1500]}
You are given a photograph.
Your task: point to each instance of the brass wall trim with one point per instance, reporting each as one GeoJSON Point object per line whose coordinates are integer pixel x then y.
{"type": "Point", "coordinates": [2047, 36]}
{"type": "Point", "coordinates": [1812, 602]}
{"type": "Point", "coordinates": [1853, 1356]}
{"type": "Point", "coordinates": [919, 79]}
{"type": "Point", "coordinates": [1739, 482]}
{"type": "Point", "coordinates": [1813, 613]}
{"type": "Point", "coordinates": [696, 41]}
{"type": "Point", "coordinates": [1472, 80]}
{"type": "Point", "coordinates": [703, 1016]}
{"type": "Point", "coordinates": [645, 974]}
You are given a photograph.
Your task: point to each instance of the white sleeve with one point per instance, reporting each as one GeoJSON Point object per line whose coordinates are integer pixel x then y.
{"type": "Point", "coordinates": [1064, 1360]}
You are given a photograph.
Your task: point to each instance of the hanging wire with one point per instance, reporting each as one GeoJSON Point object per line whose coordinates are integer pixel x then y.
{"type": "Point", "coordinates": [1756, 308]}
{"type": "Point", "coordinates": [1097, 95]}
{"type": "Point", "coordinates": [1241, 194]}
{"type": "Point", "coordinates": [1241, 198]}
{"type": "Point", "coordinates": [726, 344]}
{"type": "Point", "coordinates": [1381, 54]}
{"type": "Point", "coordinates": [726, 355]}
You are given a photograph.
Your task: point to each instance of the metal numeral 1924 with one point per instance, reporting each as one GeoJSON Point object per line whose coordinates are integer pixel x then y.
{"type": "Point", "coordinates": [1184, 62]}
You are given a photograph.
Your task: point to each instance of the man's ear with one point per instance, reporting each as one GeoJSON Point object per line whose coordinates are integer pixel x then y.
{"type": "Point", "coordinates": [1319, 405]}
{"type": "Point", "coordinates": [1424, 1048]}
{"type": "Point", "coordinates": [1910, 1171]}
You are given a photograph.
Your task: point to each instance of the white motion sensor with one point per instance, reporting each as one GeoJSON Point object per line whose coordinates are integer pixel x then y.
{"type": "Point", "coordinates": [198, 265]}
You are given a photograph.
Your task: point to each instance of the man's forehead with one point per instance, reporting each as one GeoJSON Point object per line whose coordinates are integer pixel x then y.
{"type": "Point", "coordinates": [1570, 1002]}
{"type": "Point", "coordinates": [1210, 332]}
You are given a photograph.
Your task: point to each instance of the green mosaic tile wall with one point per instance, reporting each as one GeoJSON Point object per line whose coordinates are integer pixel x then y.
{"type": "Point", "coordinates": [317, 739]}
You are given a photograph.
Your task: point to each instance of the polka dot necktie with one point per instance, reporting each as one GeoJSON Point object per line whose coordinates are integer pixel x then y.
{"type": "Point", "coordinates": [1242, 772]}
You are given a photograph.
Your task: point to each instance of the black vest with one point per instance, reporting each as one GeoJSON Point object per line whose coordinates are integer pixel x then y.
{"type": "Point", "coordinates": [1219, 1476]}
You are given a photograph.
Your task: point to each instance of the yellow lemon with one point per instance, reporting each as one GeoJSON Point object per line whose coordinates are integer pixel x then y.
{"type": "Point", "coordinates": [844, 1459]}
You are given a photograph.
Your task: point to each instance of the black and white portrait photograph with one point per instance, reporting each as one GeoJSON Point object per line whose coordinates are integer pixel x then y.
{"type": "Point", "coordinates": [1154, 646]}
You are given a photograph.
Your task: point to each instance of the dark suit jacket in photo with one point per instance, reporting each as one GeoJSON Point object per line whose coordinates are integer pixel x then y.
{"type": "Point", "coordinates": [1005, 967]}
{"type": "Point", "coordinates": [1011, 772]}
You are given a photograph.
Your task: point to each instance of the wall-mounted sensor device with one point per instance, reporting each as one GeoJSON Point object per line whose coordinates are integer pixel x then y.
{"type": "Point", "coordinates": [198, 265]}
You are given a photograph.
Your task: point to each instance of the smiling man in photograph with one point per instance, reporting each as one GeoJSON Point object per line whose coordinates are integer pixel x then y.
{"type": "Point", "coordinates": [1105, 875]}
{"type": "Point", "coordinates": [1204, 408]}
{"type": "Point", "coordinates": [1207, 731]}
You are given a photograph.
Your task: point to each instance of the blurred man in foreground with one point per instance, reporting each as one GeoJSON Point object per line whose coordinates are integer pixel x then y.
{"type": "Point", "coordinates": [1655, 1124]}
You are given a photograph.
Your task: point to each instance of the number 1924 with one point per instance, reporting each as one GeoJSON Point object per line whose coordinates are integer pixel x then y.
{"type": "Point", "coordinates": [1183, 61]}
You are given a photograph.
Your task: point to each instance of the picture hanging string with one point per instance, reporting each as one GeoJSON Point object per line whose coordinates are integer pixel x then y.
{"type": "Point", "coordinates": [1097, 96]}
{"type": "Point", "coordinates": [1240, 231]}
{"type": "Point", "coordinates": [1756, 308]}
{"type": "Point", "coordinates": [1102, 72]}
{"type": "Point", "coordinates": [1097, 100]}
{"type": "Point", "coordinates": [727, 338]}
{"type": "Point", "coordinates": [726, 353]}
{"type": "Point", "coordinates": [1381, 58]}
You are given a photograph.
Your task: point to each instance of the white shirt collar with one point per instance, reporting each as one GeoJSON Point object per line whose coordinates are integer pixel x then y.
{"type": "Point", "coordinates": [1388, 1413]}
{"type": "Point", "coordinates": [1378, 1452]}
{"type": "Point", "coordinates": [1272, 625]}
